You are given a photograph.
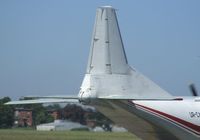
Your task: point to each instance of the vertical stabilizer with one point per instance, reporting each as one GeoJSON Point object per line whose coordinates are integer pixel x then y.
{"type": "Point", "coordinates": [107, 55]}
{"type": "Point", "coordinates": [108, 73]}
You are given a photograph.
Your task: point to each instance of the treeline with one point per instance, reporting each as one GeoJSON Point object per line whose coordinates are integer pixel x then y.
{"type": "Point", "coordinates": [6, 113]}
{"type": "Point", "coordinates": [76, 113]}
{"type": "Point", "coordinates": [40, 114]}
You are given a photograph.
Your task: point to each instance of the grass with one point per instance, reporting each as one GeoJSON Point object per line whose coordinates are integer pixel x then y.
{"type": "Point", "coordinates": [12, 134]}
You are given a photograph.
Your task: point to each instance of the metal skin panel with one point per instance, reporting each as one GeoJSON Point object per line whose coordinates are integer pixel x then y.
{"type": "Point", "coordinates": [129, 117]}
{"type": "Point", "coordinates": [174, 108]}
{"type": "Point", "coordinates": [107, 53]}
{"type": "Point", "coordinates": [174, 116]}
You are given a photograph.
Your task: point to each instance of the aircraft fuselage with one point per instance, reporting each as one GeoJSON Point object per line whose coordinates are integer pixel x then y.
{"type": "Point", "coordinates": [177, 119]}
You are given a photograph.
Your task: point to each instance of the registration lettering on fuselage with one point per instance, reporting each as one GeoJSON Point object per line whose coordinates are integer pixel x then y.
{"type": "Point", "coordinates": [194, 114]}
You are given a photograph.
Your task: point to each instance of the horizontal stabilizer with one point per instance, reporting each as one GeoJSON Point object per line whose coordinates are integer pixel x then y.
{"type": "Point", "coordinates": [52, 97]}
{"type": "Point", "coordinates": [117, 97]}
{"type": "Point", "coordinates": [42, 101]}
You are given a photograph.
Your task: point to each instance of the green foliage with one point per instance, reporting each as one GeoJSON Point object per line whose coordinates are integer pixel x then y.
{"type": "Point", "coordinates": [74, 113]}
{"type": "Point", "coordinates": [42, 117]}
{"type": "Point", "coordinates": [53, 107]}
{"type": "Point", "coordinates": [49, 118]}
{"type": "Point", "coordinates": [40, 114]}
{"type": "Point", "coordinates": [6, 113]}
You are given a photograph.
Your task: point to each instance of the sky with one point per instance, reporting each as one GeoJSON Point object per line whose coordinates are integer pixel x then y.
{"type": "Point", "coordinates": [44, 44]}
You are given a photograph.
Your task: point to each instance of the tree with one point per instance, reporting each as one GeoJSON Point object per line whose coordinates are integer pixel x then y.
{"type": "Point", "coordinates": [74, 113]}
{"type": "Point", "coordinates": [6, 113]}
{"type": "Point", "coordinates": [79, 114]}
{"type": "Point", "coordinates": [53, 107]}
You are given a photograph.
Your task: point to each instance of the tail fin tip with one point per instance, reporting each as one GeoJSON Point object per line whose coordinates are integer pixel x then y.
{"type": "Point", "coordinates": [107, 54]}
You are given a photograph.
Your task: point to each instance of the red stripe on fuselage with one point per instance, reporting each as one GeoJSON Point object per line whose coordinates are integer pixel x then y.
{"type": "Point", "coordinates": [192, 127]}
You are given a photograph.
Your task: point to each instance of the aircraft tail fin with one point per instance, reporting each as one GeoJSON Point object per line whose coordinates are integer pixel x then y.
{"type": "Point", "coordinates": [108, 73]}
{"type": "Point", "coordinates": [107, 54]}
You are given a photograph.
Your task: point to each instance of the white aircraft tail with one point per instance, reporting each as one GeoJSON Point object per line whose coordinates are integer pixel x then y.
{"type": "Point", "coordinates": [108, 74]}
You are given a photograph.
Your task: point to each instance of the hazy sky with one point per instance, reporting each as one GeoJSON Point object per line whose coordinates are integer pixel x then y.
{"type": "Point", "coordinates": [44, 44]}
